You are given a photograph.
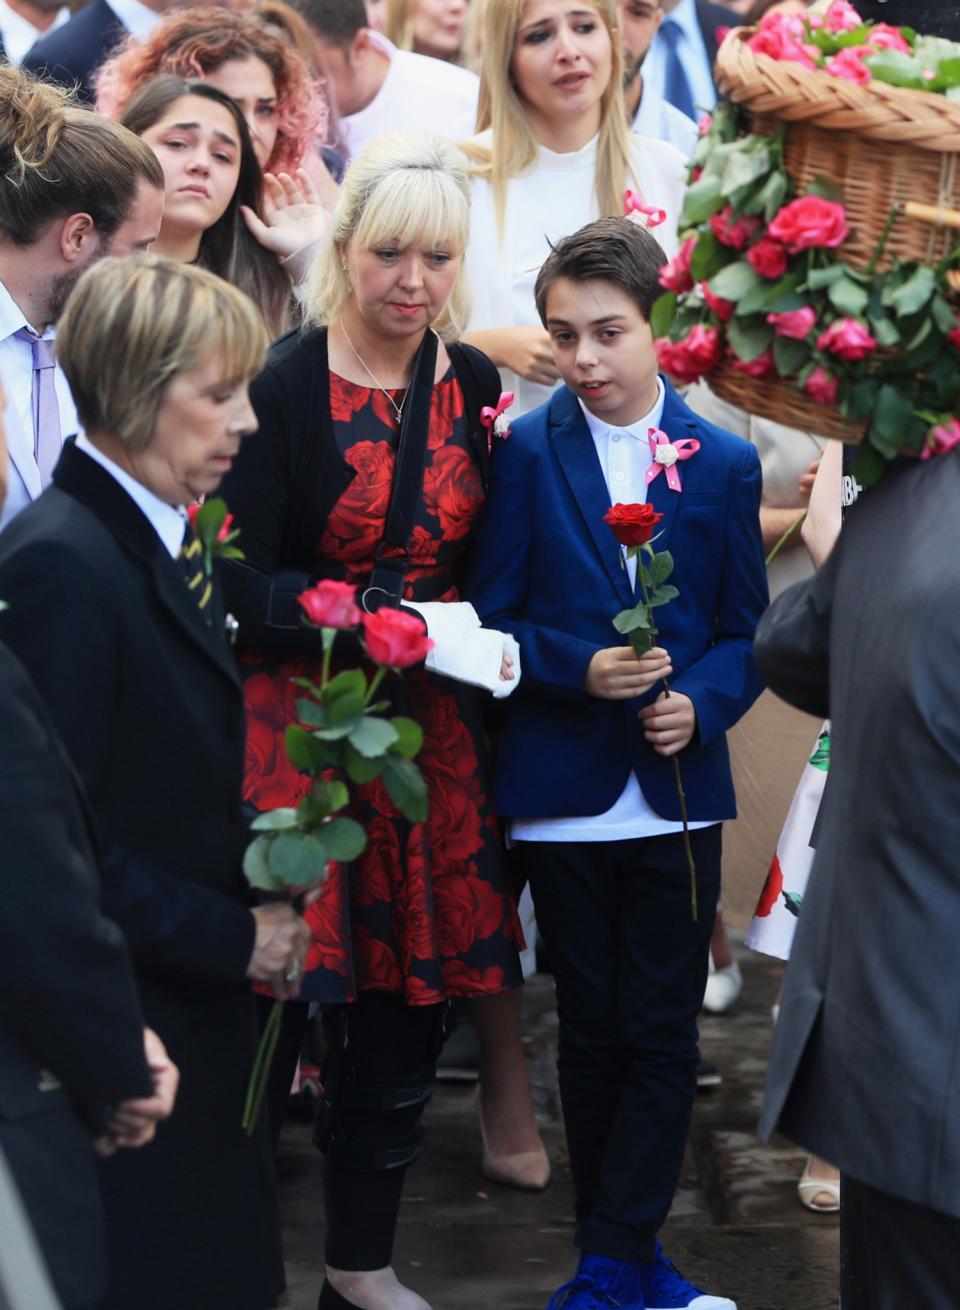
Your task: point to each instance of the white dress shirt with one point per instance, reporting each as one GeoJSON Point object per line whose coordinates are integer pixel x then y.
{"type": "Point", "coordinates": [168, 521]}
{"type": "Point", "coordinates": [16, 373]}
{"type": "Point", "coordinates": [136, 18]}
{"type": "Point", "coordinates": [692, 50]}
{"type": "Point", "coordinates": [419, 94]}
{"type": "Point", "coordinates": [624, 455]}
{"type": "Point", "coordinates": [660, 119]}
{"type": "Point", "coordinates": [20, 35]}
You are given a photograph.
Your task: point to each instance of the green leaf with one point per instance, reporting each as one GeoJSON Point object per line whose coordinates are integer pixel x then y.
{"type": "Point", "coordinates": [789, 355]}
{"type": "Point", "coordinates": [749, 338]}
{"type": "Point", "coordinates": [335, 734]}
{"type": "Point", "coordinates": [344, 839]}
{"type": "Point", "coordinates": [709, 256]}
{"type": "Point", "coordinates": [768, 199]}
{"type": "Point", "coordinates": [920, 336]}
{"type": "Point", "coordinates": [886, 332]}
{"type": "Point", "coordinates": [911, 297]}
{"type": "Point", "coordinates": [359, 768]}
{"type": "Point", "coordinates": [301, 749]}
{"type": "Point", "coordinates": [348, 705]}
{"type": "Point", "coordinates": [827, 188]}
{"type": "Point", "coordinates": [661, 566]}
{"type": "Point", "coordinates": [256, 866]}
{"type": "Point", "coordinates": [898, 69]}
{"type": "Point", "coordinates": [869, 466]}
{"type": "Point", "coordinates": [744, 166]}
{"type": "Point", "coordinates": [276, 820]}
{"type": "Point", "coordinates": [312, 810]}
{"type": "Point", "coordinates": [372, 736]}
{"type": "Point", "coordinates": [297, 857]}
{"type": "Point", "coordinates": [632, 620]}
{"type": "Point", "coordinates": [663, 595]}
{"type": "Point", "coordinates": [703, 199]}
{"type": "Point", "coordinates": [310, 713]}
{"type": "Point", "coordinates": [662, 314]}
{"type": "Point", "coordinates": [848, 297]}
{"type": "Point", "coordinates": [892, 419]}
{"type": "Point", "coordinates": [350, 680]}
{"type": "Point", "coordinates": [943, 315]}
{"type": "Point", "coordinates": [333, 794]}
{"type": "Point", "coordinates": [409, 736]}
{"type": "Point", "coordinates": [210, 519]}
{"type": "Point", "coordinates": [735, 281]}
{"type": "Point", "coordinates": [819, 278]}
{"type": "Point", "coordinates": [641, 640]}
{"type": "Point", "coordinates": [863, 399]}
{"type": "Point", "coordinates": [406, 787]}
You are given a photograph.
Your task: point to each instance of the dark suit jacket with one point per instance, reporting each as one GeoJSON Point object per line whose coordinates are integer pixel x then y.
{"type": "Point", "coordinates": [73, 53]}
{"type": "Point", "coordinates": [147, 700]}
{"type": "Point", "coordinates": [548, 569]}
{"type": "Point", "coordinates": [866, 1062]}
{"type": "Point", "coordinates": [711, 19]}
{"type": "Point", "coordinates": [71, 1031]}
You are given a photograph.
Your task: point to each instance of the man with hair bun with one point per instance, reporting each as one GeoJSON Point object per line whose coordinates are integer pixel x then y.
{"type": "Point", "coordinates": [76, 187]}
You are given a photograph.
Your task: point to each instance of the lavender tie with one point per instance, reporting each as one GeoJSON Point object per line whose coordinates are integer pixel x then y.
{"type": "Point", "coordinates": [47, 437]}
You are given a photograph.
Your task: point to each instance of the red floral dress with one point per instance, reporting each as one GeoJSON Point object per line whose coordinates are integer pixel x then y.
{"type": "Point", "coordinates": [427, 911]}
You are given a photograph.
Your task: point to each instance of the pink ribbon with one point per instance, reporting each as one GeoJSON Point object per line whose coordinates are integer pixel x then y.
{"type": "Point", "coordinates": [493, 419]}
{"type": "Point", "coordinates": [667, 454]}
{"type": "Point", "coordinates": [633, 204]}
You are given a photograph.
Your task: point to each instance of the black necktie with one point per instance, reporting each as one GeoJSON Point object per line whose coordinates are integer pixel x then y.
{"type": "Point", "coordinates": [198, 583]}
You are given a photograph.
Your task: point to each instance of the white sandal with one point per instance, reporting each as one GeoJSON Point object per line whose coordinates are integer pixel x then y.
{"type": "Point", "coordinates": [810, 1188]}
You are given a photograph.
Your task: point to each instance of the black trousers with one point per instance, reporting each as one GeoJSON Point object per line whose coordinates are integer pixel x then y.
{"type": "Point", "coordinates": [379, 1075]}
{"type": "Point", "coordinates": [630, 966]}
{"type": "Point", "coordinates": [896, 1254]}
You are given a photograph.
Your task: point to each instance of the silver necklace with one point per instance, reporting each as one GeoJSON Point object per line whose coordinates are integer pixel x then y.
{"type": "Point", "coordinates": [397, 409]}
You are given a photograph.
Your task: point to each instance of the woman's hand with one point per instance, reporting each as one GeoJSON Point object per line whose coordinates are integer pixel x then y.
{"type": "Point", "coordinates": [617, 674]}
{"type": "Point", "coordinates": [506, 668]}
{"type": "Point", "coordinates": [293, 216]}
{"type": "Point", "coordinates": [279, 948]}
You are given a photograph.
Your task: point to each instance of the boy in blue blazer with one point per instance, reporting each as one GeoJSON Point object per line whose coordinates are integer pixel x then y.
{"type": "Point", "coordinates": [585, 777]}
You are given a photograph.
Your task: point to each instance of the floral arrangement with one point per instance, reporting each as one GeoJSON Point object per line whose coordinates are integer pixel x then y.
{"type": "Point", "coordinates": [840, 43]}
{"type": "Point", "coordinates": [212, 524]}
{"type": "Point", "coordinates": [341, 738]}
{"type": "Point", "coordinates": [760, 282]}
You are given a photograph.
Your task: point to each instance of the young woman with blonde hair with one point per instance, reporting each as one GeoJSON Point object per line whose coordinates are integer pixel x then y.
{"type": "Point", "coordinates": [429, 27]}
{"type": "Point", "coordinates": [426, 914]}
{"type": "Point", "coordinates": [553, 153]}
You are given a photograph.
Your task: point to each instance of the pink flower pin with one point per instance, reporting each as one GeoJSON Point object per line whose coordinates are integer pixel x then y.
{"type": "Point", "coordinates": [495, 420]}
{"type": "Point", "coordinates": [667, 454]}
{"type": "Point", "coordinates": [646, 215]}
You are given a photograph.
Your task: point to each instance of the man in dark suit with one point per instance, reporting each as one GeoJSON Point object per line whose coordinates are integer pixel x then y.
{"type": "Point", "coordinates": [73, 1074]}
{"type": "Point", "coordinates": [864, 1068]}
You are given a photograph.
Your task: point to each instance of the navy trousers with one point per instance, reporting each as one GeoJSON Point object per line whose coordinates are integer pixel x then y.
{"type": "Point", "coordinates": [630, 966]}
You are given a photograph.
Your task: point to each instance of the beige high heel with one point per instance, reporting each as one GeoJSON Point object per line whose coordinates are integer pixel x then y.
{"type": "Point", "coordinates": [811, 1189]}
{"type": "Point", "coordinates": [528, 1170]}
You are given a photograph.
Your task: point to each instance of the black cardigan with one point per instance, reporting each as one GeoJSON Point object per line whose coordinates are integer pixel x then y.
{"type": "Point", "coordinates": [289, 475]}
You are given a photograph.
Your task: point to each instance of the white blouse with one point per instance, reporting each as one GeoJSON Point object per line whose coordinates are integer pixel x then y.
{"type": "Point", "coordinates": [552, 199]}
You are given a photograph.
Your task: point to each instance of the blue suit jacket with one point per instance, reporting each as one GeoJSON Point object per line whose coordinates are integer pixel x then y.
{"type": "Point", "coordinates": [548, 570]}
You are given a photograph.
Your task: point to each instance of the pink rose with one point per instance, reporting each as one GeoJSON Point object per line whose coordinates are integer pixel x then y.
{"type": "Point", "coordinates": [941, 439]}
{"type": "Point", "coordinates": [821, 387]}
{"type": "Point", "coordinates": [698, 353]}
{"type": "Point", "coordinates": [885, 37]}
{"type": "Point", "coordinates": [795, 323]}
{"type": "Point", "coordinates": [768, 258]}
{"type": "Point", "coordinates": [810, 223]}
{"type": "Point", "coordinates": [722, 308]}
{"type": "Point", "coordinates": [842, 17]}
{"type": "Point", "coordinates": [395, 638]}
{"type": "Point", "coordinates": [705, 121]}
{"type": "Point", "coordinates": [761, 367]}
{"type": "Point", "coordinates": [847, 339]}
{"type": "Point", "coordinates": [781, 37]}
{"type": "Point", "coordinates": [331, 604]}
{"type": "Point", "coordinates": [849, 65]}
{"type": "Point", "coordinates": [734, 233]}
{"type": "Point", "coordinates": [675, 275]}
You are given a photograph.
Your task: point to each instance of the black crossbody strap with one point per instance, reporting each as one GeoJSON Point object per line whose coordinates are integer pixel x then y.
{"type": "Point", "coordinates": [386, 581]}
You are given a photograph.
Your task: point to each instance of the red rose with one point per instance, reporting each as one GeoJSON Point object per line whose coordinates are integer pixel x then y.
{"type": "Point", "coordinates": [810, 223]}
{"type": "Point", "coordinates": [675, 275]}
{"type": "Point", "coordinates": [468, 910]}
{"type": "Point", "coordinates": [722, 308]}
{"type": "Point", "coordinates": [331, 605]}
{"type": "Point", "coordinates": [768, 258]}
{"type": "Point", "coordinates": [453, 491]}
{"type": "Point", "coordinates": [847, 339]}
{"type": "Point", "coordinates": [842, 17]}
{"type": "Point", "coordinates": [953, 336]}
{"type": "Point", "coordinates": [395, 638]}
{"type": "Point", "coordinates": [632, 525]}
{"type": "Point", "coordinates": [735, 233]}
{"type": "Point", "coordinates": [447, 408]}
{"type": "Point", "coordinates": [270, 780]}
{"type": "Point", "coordinates": [793, 323]}
{"type": "Point", "coordinates": [415, 907]}
{"type": "Point", "coordinates": [885, 37]}
{"type": "Point", "coordinates": [849, 65]}
{"type": "Point", "coordinates": [328, 919]}
{"type": "Point", "coordinates": [462, 979]}
{"type": "Point", "coordinates": [453, 821]}
{"type": "Point", "coordinates": [358, 516]}
{"type": "Point", "coordinates": [378, 962]}
{"type": "Point", "coordinates": [699, 352]}
{"type": "Point", "coordinates": [346, 398]}
{"type": "Point", "coordinates": [379, 865]}
{"type": "Point", "coordinates": [781, 37]}
{"type": "Point", "coordinates": [771, 890]}
{"type": "Point", "coordinates": [821, 387]}
{"type": "Point", "coordinates": [761, 367]}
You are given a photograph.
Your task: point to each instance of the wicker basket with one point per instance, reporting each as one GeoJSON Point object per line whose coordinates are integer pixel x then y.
{"type": "Point", "coordinates": [884, 146]}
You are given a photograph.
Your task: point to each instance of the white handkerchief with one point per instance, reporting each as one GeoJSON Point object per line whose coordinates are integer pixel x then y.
{"type": "Point", "coordinates": [465, 651]}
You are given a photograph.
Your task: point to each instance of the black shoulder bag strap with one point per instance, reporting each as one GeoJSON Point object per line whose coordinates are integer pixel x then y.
{"type": "Point", "coordinates": [386, 581]}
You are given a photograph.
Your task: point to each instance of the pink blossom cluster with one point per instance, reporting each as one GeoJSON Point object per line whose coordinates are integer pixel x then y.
{"type": "Point", "coordinates": [700, 351]}
{"type": "Point", "coordinates": [940, 439]}
{"type": "Point", "coordinates": [786, 37]}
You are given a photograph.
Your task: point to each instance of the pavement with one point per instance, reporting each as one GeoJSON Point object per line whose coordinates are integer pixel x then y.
{"type": "Point", "coordinates": [464, 1243]}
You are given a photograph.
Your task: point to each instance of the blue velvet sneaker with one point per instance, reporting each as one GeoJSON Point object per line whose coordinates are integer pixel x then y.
{"type": "Point", "coordinates": [665, 1288]}
{"type": "Point", "coordinates": [601, 1284]}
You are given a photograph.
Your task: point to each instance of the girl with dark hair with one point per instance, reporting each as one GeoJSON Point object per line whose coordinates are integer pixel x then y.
{"type": "Point", "coordinates": [213, 182]}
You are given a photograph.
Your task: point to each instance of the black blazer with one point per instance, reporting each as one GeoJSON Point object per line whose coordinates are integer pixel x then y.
{"type": "Point", "coordinates": [71, 1031]}
{"type": "Point", "coordinates": [73, 53]}
{"type": "Point", "coordinates": [147, 700]}
{"type": "Point", "coordinates": [290, 474]}
{"type": "Point", "coordinates": [711, 18]}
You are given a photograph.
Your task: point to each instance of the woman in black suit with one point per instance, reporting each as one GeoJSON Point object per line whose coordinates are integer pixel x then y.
{"type": "Point", "coordinates": [140, 682]}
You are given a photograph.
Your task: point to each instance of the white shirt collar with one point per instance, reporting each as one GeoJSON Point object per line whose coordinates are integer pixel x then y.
{"type": "Point", "coordinates": [167, 521]}
{"type": "Point", "coordinates": [20, 35]}
{"type": "Point", "coordinates": [136, 17]}
{"type": "Point", "coordinates": [12, 317]}
{"type": "Point", "coordinates": [600, 428]}
{"type": "Point", "coordinates": [685, 17]}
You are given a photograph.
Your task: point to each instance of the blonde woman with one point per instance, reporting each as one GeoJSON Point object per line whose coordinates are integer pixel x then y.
{"type": "Point", "coordinates": [429, 27]}
{"type": "Point", "coordinates": [427, 913]}
{"type": "Point", "coordinates": [553, 154]}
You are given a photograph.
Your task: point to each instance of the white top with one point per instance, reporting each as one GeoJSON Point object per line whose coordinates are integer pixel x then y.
{"type": "Point", "coordinates": [658, 118]}
{"type": "Point", "coordinates": [168, 521]}
{"type": "Point", "coordinates": [16, 373]}
{"type": "Point", "coordinates": [624, 455]}
{"type": "Point", "coordinates": [419, 94]}
{"type": "Point", "coordinates": [136, 17]}
{"type": "Point", "coordinates": [551, 200]}
{"type": "Point", "coordinates": [20, 35]}
{"type": "Point", "coordinates": [692, 50]}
